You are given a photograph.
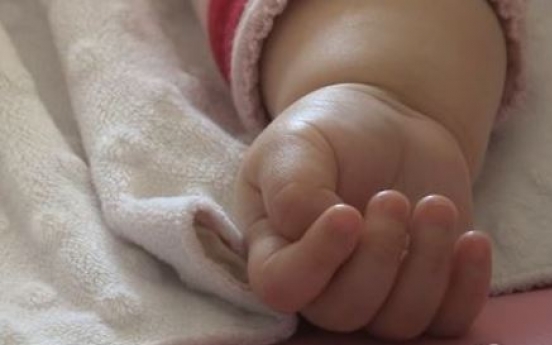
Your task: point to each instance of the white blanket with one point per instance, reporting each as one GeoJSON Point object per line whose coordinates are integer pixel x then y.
{"type": "Point", "coordinates": [118, 151]}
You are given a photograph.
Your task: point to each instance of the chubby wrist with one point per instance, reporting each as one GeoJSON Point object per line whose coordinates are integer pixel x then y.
{"type": "Point", "coordinates": [448, 78]}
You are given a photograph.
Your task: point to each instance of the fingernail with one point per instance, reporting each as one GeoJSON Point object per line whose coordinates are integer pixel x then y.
{"type": "Point", "coordinates": [347, 224]}
{"type": "Point", "coordinates": [392, 204]}
{"type": "Point", "coordinates": [441, 212]}
{"type": "Point", "coordinates": [480, 249]}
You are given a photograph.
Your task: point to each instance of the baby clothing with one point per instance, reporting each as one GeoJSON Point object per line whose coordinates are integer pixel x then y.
{"type": "Point", "coordinates": [238, 28]}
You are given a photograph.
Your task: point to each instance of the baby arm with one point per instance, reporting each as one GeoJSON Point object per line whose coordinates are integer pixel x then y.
{"type": "Point", "coordinates": [446, 59]}
{"type": "Point", "coordinates": [367, 96]}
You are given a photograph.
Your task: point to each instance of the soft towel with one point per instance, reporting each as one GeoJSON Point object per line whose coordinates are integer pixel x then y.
{"type": "Point", "coordinates": [161, 172]}
{"type": "Point", "coordinates": [118, 149]}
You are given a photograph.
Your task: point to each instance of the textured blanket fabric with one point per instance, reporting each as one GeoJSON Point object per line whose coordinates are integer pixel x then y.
{"type": "Point", "coordinates": [118, 149]}
{"type": "Point", "coordinates": [95, 195]}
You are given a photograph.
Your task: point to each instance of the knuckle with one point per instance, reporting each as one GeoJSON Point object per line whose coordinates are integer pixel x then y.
{"type": "Point", "coordinates": [284, 198]}
{"type": "Point", "coordinates": [293, 208]}
{"type": "Point", "coordinates": [436, 263]}
{"type": "Point", "coordinates": [282, 204]}
{"type": "Point", "coordinates": [436, 252]}
{"type": "Point", "coordinates": [390, 248]}
{"type": "Point", "coordinates": [324, 258]}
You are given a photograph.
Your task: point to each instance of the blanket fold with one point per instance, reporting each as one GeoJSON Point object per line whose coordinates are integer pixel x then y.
{"type": "Point", "coordinates": [145, 180]}
{"type": "Point", "coordinates": [157, 164]}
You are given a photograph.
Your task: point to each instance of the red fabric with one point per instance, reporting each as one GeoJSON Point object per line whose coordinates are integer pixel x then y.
{"type": "Point", "coordinates": [223, 18]}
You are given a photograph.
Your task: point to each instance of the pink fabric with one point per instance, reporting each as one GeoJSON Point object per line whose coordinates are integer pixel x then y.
{"type": "Point", "coordinates": [223, 18]}
{"type": "Point", "coordinates": [520, 319]}
{"type": "Point", "coordinates": [237, 38]}
{"type": "Point", "coordinates": [512, 14]}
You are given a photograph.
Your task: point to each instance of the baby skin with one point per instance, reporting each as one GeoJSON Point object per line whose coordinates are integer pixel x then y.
{"type": "Point", "coordinates": [357, 198]}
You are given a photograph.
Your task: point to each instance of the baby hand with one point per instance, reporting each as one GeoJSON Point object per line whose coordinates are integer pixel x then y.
{"type": "Point", "coordinates": [331, 236]}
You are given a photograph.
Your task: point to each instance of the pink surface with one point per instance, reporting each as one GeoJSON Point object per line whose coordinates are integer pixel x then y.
{"type": "Point", "coordinates": [520, 319]}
